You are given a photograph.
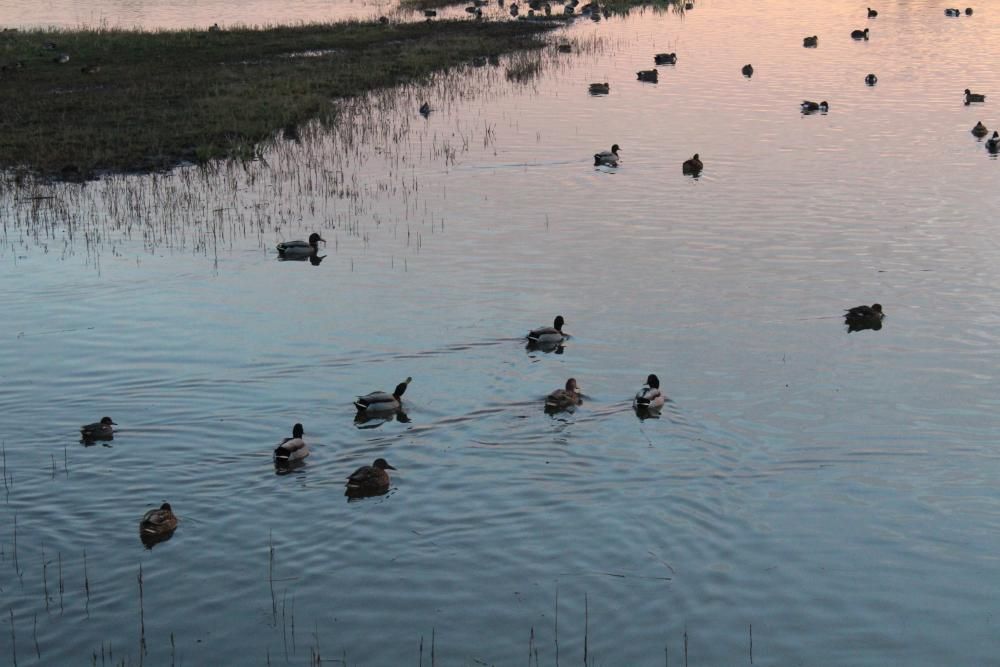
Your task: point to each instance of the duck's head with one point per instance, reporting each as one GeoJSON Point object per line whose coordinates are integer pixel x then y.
{"type": "Point", "coordinates": [615, 149]}
{"type": "Point", "coordinates": [877, 307]}
{"type": "Point", "coordinates": [653, 382]}
{"type": "Point", "coordinates": [401, 388]}
{"type": "Point", "coordinates": [298, 431]}
{"type": "Point", "coordinates": [166, 507]}
{"type": "Point", "coordinates": [106, 421]}
{"type": "Point", "coordinates": [382, 464]}
{"type": "Point", "coordinates": [558, 323]}
{"type": "Point", "coordinates": [571, 386]}
{"type": "Point", "coordinates": [968, 92]}
{"type": "Point", "coordinates": [315, 238]}
{"type": "Point", "coordinates": [696, 158]}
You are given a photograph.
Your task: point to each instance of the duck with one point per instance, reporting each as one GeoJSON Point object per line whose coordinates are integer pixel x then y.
{"type": "Point", "coordinates": [300, 248]}
{"type": "Point", "coordinates": [99, 430]}
{"type": "Point", "coordinates": [809, 107]}
{"type": "Point", "coordinates": [648, 75]}
{"type": "Point", "coordinates": [968, 11]}
{"type": "Point", "coordinates": [158, 523]}
{"type": "Point", "coordinates": [565, 47]}
{"type": "Point", "coordinates": [292, 449]}
{"type": "Point", "coordinates": [872, 13]}
{"type": "Point", "coordinates": [860, 318]}
{"type": "Point", "coordinates": [993, 143]}
{"type": "Point", "coordinates": [665, 58]}
{"type": "Point", "coordinates": [693, 166]}
{"type": "Point", "coordinates": [607, 158]}
{"type": "Point", "coordinates": [430, 13]}
{"type": "Point", "coordinates": [980, 130]}
{"type": "Point", "coordinates": [369, 480]}
{"type": "Point", "coordinates": [552, 335]}
{"type": "Point", "coordinates": [810, 42]}
{"type": "Point", "coordinates": [425, 109]}
{"type": "Point", "coordinates": [859, 34]}
{"type": "Point", "coordinates": [951, 11]}
{"type": "Point", "coordinates": [971, 97]}
{"type": "Point", "coordinates": [564, 399]}
{"type": "Point", "coordinates": [871, 79]}
{"type": "Point", "coordinates": [600, 88]}
{"type": "Point", "coordinates": [649, 397]}
{"type": "Point", "coordinates": [380, 401]}
{"type": "Point", "coordinates": [747, 71]}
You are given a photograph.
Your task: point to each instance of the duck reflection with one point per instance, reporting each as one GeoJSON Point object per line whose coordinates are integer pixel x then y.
{"type": "Point", "coordinates": [547, 347]}
{"type": "Point", "coordinates": [860, 318]}
{"type": "Point", "coordinates": [314, 259]}
{"type": "Point", "coordinates": [376, 419]}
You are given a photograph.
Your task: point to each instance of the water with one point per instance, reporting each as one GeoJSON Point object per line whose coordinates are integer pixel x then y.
{"type": "Point", "coordinates": [834, 491]}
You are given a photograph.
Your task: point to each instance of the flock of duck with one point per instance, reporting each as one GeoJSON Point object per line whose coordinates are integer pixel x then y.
{"type": "Point", "coordinates": [694, 165]}
{"type": "Point", "coordinates": [158, 525]}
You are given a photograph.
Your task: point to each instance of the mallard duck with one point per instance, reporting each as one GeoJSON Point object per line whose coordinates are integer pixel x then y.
{"type": "Point", "coordinates": [99, 430]}
{"type": "Point", "coordinates": [300, 248]}
{"type": "Point", "coordinates": [379, 401]}
{"type": "Point", "coordinates": [747, 71]}
{"type": "Point", "coordinates": [980, 130]}
{"type": "Point", "coordinates": [425, 109]}
{"type": "Point", "coordinates": [993, 143]}
{"type": "Point", "coordinates": [369, 480]}
{"type": "Point", "coordinates": [871, 79]}
{"type": "Point", "coordinates": [608, 158]}
{"type": "Point", "coordinates": [971, 97]}
{"type": "Point", "coordinates": [810, 107]}
{"type": "Point", "coordinates": [600, 88]}
{"type": "Point", "coordinates": [564, 399]}
{"type": "Point", "coordinates": [549, 335]}
{"type": "Point", "coordinates": [648, 75]}
{"type": "Point", "coordinates": [159, 522]}
{"type": "Point", "coordinates": [292, 449]}
{"type": "Point", "coordinates": [649, 397]}
{"type": "Point", "coordinates": [864, 317]}
{"type": "Point", "coordinates": [810, 41]}
{"type": "Point", "coordinates": [693, 166]}
{"type": "Point", "coordinates": [872, 13]}
{"type": "Point", "coordinates": [951, 12]}
{"type": "Point", "coordinates": [665, 58]}
{"type": "Point", "coordinates": [859, 34]}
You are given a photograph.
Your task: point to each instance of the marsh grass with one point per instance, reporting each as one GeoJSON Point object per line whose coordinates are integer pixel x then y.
{"type": "Point", "coordinates": [152, 100]}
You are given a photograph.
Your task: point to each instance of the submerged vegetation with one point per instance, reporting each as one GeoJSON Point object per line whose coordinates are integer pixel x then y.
{"type": "Point", "coordinates": [129, 100]}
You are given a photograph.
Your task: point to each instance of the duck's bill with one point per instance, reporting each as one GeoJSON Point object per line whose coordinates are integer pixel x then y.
{"type": "Point", "coordinates": [389, 467]}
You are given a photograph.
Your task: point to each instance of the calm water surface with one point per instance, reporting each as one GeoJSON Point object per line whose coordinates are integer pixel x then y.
{"type": "Point", "coordinates": [836, 492]}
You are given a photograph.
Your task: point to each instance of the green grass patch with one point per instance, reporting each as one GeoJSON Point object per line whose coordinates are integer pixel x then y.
{"type": "Point", "coordinates": [132, 101]}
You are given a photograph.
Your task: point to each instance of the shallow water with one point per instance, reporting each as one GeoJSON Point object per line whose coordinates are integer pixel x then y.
{"type": "Point", "coordinates": [834, 491]}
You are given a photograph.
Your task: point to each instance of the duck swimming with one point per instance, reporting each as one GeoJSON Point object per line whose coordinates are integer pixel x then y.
{"type": "Point", "coordinates": [425, 109]}
{"type": "Point", "coordinates": [971, 97]}
{"type": "Point", "coordinates": [810, 42]}
{"type": "Point", "coordinates": [292, 449]}
{"type": "Point", "coordinates": [648, 75]}
{"type": "Point", "coordinates": [157, 525]}
{"type": "Point", "coordinates": [300, 249]}
{"type": "Point", "coordinates": [665, 58]}
{"type": "Point", "coordinates": [951, 12]}
{"type": "Point", "coordinates": [810, 107]}
{"type": "Point", "coordinates": [872, 13]}
{"type": "Point", "coordinates": [370, 480]}
{"type": "Point", "coordinates": [564, 399]}
{"type": "Point", "coordinates": [860, 318]}
{"type": "Point", "coordinates": [871, 79]}
{"type": "Point", "coordinates": [693, 166]}
{"type": "Point", "coordinates": [993, 143]}
{"type": "Point", "coordinates": [99, 430]}
{"type": "Point", "coordinates": [600, 88]}
{"type": "Point", "coordinates": [649, 397]}
{"type": "Point", "coordinates": [980, 130]}
{"type": "Point", "coordinates": [380, 401]}
{"type": "Point", "coordinates": [607, 158]}
{"type": "Point", "coordinates": [747, 71]}
{"type": "Point", "coordinates": [548, 335]}
{"type": "Point", "coordinates": [859, 34]}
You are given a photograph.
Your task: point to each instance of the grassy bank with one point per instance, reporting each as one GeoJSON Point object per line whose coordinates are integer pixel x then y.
{"type": "Point", "coordinates": [131, 101]}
